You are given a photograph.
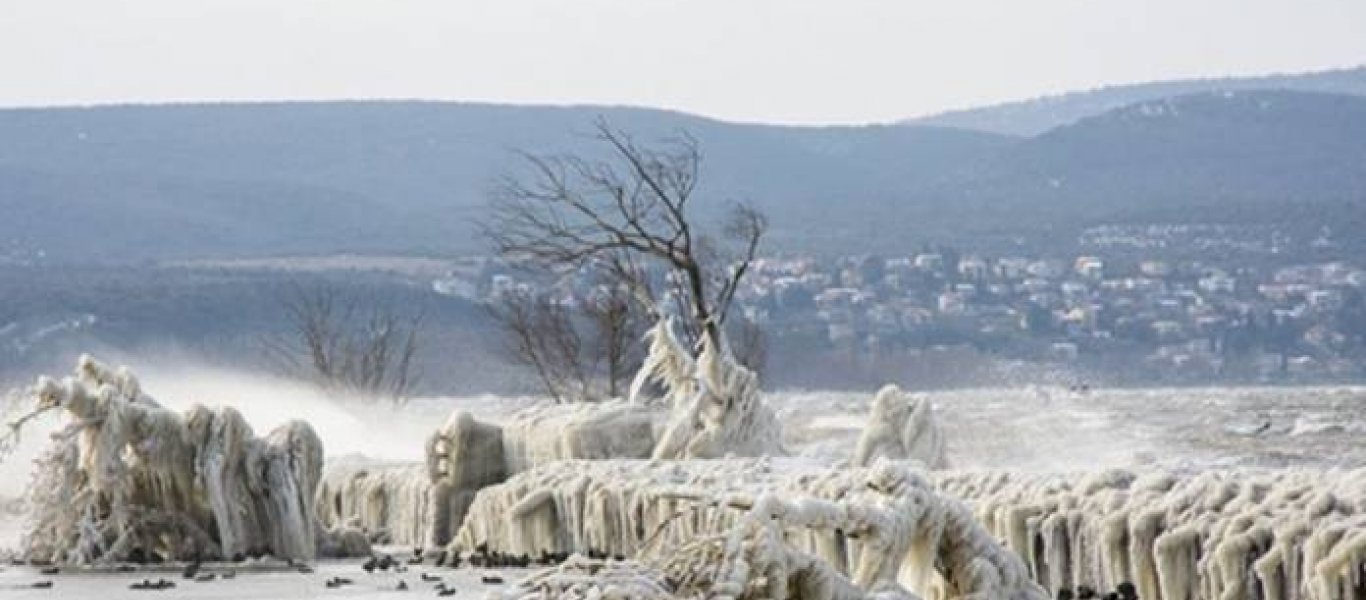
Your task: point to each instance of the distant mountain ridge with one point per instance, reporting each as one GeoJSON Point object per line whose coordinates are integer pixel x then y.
{"type": "Point", "coordinates": [1035, 116]}
{"type": "Point", "coordinates": [252, 179]}
{"type": "Point", "coordinates": [233, 180]}
{"type": "Point", "coordinates": [1290, 158]}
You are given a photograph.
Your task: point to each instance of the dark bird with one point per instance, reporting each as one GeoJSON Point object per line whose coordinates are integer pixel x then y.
{"type": "Point", "coordinates": [205, 577]}
{"type": "Point", "coordinates": [370, 565]}
{"type": "Point", "coordinates": [492, 580]}
{"type": "Point", "coordinates": [337, 582]}
{"type": "Point", "coordinates": [41, 585]}
{"type": "Point", "coordinates": [160, 584]}
{"type": "Point", "coordinates": [430, 578]}
{"type": "Point", "coordinates": [445, 592]}
{"type": "Point", "coordinates": [49, 571]}
{"type": "Point", "coordinates": [402, 586]}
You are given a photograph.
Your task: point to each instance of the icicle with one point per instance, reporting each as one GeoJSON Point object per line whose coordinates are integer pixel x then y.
{"type": "Point", "coordinates": [127, 475]}
{"type": "Point", "coordinates": [742, 529]}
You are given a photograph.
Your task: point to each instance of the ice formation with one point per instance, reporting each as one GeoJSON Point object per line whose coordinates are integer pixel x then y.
{"type": "Point", "coordinates": [127, 477]}
{"type": "Point", "coordinates": [1217, 535]}
{"type": "Point", "coordinates": [747, 529]}
{"type": "Point", "coordinates": [423, 504]}
{"type": "Point", "coordinates": [901, 427]}
{"type": "Point", "coordinates": [716, 407]}
{"type": "Point", "coordinates": [418, 504]}
{"type": "Point", "coordinates": [580, 578]}
{"type": "Point", "coordinates": [610, 429]}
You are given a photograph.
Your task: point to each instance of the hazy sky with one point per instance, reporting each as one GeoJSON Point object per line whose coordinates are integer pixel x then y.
{"type": "Point", "coordinates": [757, 60]}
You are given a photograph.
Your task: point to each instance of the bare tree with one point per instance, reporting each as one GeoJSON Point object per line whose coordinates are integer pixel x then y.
{"type": "Point", "coordinates": [749, 344]}
{"type": "Point", "coordinates": [628, 212]}
{"type": "Point", "coordinates": [582, 349]}
{"type": "Point", "coordinates": [348, 346]}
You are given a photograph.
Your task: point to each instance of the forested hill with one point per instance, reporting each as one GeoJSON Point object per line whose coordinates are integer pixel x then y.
{"type": "Point", "coordinates": [182, 181]}
{"type": "Point", "coordinates": [144, 182]}
{"type": "Point", "coordinates": [1037, 115]}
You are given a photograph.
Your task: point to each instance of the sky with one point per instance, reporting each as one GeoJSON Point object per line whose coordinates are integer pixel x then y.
{"type": "Point", "coordinates": [774, 61]}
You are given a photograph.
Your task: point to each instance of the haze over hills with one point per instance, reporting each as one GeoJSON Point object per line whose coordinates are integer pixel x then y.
{"type": "Point", "coordinates": [212, 180]}
{"type": "Point", "coordinates": [145, 186]}
{"type": "Point", "coordinates": [1290, 159]}
{"type": "Point", "coordinates": [1034, 116]}
{"type": "Point", "coordinates": [135, 183]}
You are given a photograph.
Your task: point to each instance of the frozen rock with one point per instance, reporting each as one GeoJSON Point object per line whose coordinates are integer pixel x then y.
{"type": "Point", "coordinates": [901, 427]}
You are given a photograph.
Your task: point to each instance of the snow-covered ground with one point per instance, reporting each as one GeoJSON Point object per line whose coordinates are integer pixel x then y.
{"type": "Point", "coordinates": [1053, 429]}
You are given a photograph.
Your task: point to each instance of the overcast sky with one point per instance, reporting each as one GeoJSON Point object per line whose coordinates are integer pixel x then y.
{"type": "Point", "coordinates": [791, 61]}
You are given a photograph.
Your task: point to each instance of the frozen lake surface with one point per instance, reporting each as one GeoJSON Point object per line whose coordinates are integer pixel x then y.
{"type": "Point", "coordinates": [248, 584]}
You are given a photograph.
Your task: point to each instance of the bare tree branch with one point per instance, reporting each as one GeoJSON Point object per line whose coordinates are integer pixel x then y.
{"type": "Point", "coordinates": [623, 215]}
{"type": "Point", "coordinates": [342, 345]}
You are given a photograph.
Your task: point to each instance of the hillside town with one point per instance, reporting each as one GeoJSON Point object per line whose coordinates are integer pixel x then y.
{"type": "Point", "coordinates": [1172, 320]}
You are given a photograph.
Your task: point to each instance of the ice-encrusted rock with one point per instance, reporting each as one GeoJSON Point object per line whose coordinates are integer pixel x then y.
{"type": "Point", "coordinates": [1241, 533]}
{"type": "Point", "coordinates": [599, 430]}
{"type": "Point", "coordinates": [416, 504]}
{"type": "Point", "coordinates": [901, 427]}
{"type": "Point", "coordinates": [748, 528]}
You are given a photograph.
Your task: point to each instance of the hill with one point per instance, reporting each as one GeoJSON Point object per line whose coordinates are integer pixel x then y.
{"type": "Point", "coordinates": [200, 181]}
{"type": "Point", "coordinates": [1035, 116]}
{"type": "Point", "coordinates": [152, 182]}
{"type": "Point", "coordinates": [1285, 159]}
